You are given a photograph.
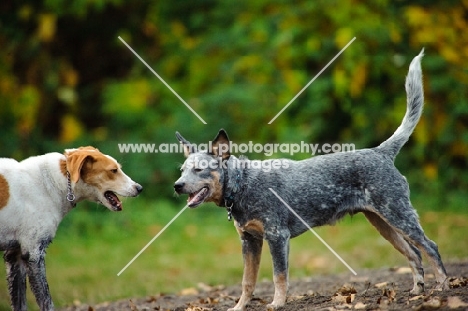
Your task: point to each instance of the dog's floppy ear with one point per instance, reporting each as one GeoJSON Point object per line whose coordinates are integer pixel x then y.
{"type": "Point", "coordinates": [75, 160]}
{"type": "Point", "coordinates": [188, 147]}
{"type": "Point", "coordinates": [221, 146]}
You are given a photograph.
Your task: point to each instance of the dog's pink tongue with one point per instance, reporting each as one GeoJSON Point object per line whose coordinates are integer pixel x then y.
{"type": "Point", "coordinates": [195, 198]}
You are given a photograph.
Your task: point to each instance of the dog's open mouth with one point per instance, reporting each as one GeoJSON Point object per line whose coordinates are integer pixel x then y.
{"type": "Point", "coordinates": [197, 198]}
{"type": "Point", "coordinates": [113, 200]}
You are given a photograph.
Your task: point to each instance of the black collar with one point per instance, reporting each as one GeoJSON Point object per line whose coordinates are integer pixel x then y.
{"type": "Point", "coordinates": [228, 190]}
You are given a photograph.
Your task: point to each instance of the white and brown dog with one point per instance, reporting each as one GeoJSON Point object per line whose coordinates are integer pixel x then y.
{"type": "Point", "coordinates": [35, 195]}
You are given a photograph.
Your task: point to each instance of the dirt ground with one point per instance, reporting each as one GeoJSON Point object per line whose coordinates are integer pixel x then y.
{"type": "Point", "coordinates": [384, 289]}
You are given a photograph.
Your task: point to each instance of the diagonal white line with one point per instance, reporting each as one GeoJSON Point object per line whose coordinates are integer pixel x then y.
{"type": "Point", "coordinates": [162, 80]}
{"type": "Point", "coordinates": [313, 231]}
{"type": "Point", "coordinates": [310, 82]}
{"type": "Point", "coordinates": [152, 240]}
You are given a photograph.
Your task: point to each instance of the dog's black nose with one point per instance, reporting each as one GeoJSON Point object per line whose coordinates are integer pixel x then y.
{"type": "Point", "coordinates": [178, 186]}
{"type": "Point", "coordinates": [139, 188]}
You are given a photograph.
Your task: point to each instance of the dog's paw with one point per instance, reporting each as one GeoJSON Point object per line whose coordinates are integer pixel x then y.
{"type": "Point", "coordinates": [273, 306]}
{"type": "Point", "coordinates": [418, 289]}
{"type": "Point", "coordinates": [442, 286]}
{"type": "Point", "coordinates": [237, 308]}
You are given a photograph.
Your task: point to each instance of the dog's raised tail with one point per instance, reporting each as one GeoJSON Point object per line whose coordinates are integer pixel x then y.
{"type": "Point", "coordinates": [414, 107]}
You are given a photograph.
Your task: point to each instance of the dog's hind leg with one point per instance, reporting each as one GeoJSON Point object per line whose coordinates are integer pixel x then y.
{"type": "Point", "coordinates": [252, 252]}
{"type": "Point", "coordinates": [409, 251]}
{"type": "Point", "coordinates": [37, 278]}
{"type": "Point", "coordinates": [430, 249]}
{"type": "Point", "coordinates": [279, 249]}
{"type": "Point", "coordinates": [16, 277]}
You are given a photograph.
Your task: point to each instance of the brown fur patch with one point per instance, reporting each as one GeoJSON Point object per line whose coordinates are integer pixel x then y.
{"type": "Point", "coordinates": [63, 167]}
{"type": "Point", "coordinates": [217, 195]}
{"type": "Point", "coordinates": [254, 227]}
{"type": "Point", "coordinates": [4, 192]}
{"type": "Point", "coordinates": [281, 288]}
{"type": "Point", "coordinates": [91, 165]}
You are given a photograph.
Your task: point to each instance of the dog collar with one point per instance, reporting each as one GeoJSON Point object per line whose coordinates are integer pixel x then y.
{"type": "Point", "coordinates": [228, 193]}
{"type": "Point", "coordinates": [70, 195]}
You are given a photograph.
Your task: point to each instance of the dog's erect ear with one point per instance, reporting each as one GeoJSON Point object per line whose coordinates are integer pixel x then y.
{"type": "Point", "coordinates": [188, 147]}
{"type": "Point", "coordinates": [221, 146]}
{"type": "Point", "coordinates": [75, 160]}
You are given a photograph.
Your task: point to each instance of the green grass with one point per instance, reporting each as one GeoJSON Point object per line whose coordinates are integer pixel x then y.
{"type": "Point", "coordinates": [93, 245]}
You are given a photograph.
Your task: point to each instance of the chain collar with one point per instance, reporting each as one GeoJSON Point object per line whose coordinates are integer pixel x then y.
{"type": "Point", "coordinates": [70, 195]}
{"type": "Point", "coordinates": [229, 210]}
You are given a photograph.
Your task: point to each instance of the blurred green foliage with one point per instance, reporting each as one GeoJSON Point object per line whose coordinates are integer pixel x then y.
{"type": "Point", "coordinates": [67, 80]}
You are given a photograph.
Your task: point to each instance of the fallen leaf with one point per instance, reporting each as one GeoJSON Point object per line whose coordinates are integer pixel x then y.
{"type": "Point", "coordinates": [416, 298]}
{"type": "Point", "coordinates": [189, 291]}
{"type": "Point", "coordinates": [383, 302]}
{"type": "Point", "coordinates": [454, 302]}
{"type": "Point", "coordinates": [344, 306]}
{"type": "Point", "coordinates": [151, 299]}
{"type": "Point", "coordinates": [133, 307]}
{"type": "Point", "coordinates": [208, 300]}
{"type": "Point", "coordinates": [432, 302]}
{"type": "Point", "coordinates": [347, 289]}
{"type": "Point", "coordinates": [390, 294]}
{"type": "Point", "coordinates": [403, 270]}
{"type": "Point", "coordinates": [204, 287]}
{"type": "Point", "coordinates": [380, 285]}
{"type": "Point", "coordinates": [458, 282]}
{"type": "Point", "coordinates": [345, 295]}
{"type": "Point", "coordinates": [197, 308]}
{"type": "Point", "coordinates": [338, 298]}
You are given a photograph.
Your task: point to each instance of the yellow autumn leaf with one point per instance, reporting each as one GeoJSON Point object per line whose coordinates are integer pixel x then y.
{"type": "Point", "coordinates": [340, 80]}
{"type": "Point", "coordinates": [358, 80]}
{"type": "Point", "coordinates": [430, 170]}
{"type": "Point", "coordinates": [450, 54]}
{"type": "Point", "coordinates": [178, 29]}
{"type": "Point", "coordinates": [71, 129]}
{"type": "Point", "coordinates": [416, 15]}
{"type": "Point", "coordinates": [46, 27]}
{"type": "Point", "coordinates": [343, 36]}
{"type": "Point", "coordinates": [292, 80]}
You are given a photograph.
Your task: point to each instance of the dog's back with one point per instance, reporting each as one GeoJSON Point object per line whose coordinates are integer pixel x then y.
{"type": "Point", "coordinates": [327, 187]}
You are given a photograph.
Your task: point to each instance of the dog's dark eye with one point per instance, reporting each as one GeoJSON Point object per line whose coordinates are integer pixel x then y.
{"type": "Point", "coordinates": [114, 171]}
{"type": "Point", "coordinates": [198, 170]}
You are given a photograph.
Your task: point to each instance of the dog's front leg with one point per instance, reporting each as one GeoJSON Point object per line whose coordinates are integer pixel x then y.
{"type": "Point", "coordinates": [279, 249]}
{"type": "Point", "coordinates": [252, 252]}
{"type": "Point", "coordinates": [37, 279]}
{"type": "Point", "coordinates": [16, 277]}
